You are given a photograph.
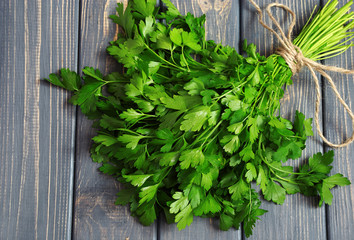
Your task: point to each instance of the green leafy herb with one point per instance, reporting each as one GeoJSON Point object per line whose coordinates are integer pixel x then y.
{"type": "Point", "coordinates": [190, 124]}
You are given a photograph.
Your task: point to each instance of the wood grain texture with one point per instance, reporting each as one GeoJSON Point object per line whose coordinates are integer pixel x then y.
{"type": "Point", "coordinates": [37, 127]}
{"type": "Point", "coordinates": [222, 25]}
{"type": "Point", "coordinates": [96, 216]}
{"type": "Point", "coordinates": [299, 217]}
{"type": "Point", "coordinates": [36, 123]}
{"type": "Point", "coordinates": [338, 127]}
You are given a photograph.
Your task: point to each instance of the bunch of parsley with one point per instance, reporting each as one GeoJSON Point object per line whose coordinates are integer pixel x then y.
{"type": "Point", "coordinates": [190, 124]}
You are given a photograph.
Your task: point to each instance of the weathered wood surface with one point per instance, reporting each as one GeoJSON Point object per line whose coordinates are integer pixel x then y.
{"type": "Point", "coordinates": [38, 126]}
{"type": "Point", "coordinates": [337, 128]}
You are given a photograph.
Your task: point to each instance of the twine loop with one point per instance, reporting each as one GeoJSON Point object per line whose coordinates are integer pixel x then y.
{"type": "Point", "coordinates": [294, 57]}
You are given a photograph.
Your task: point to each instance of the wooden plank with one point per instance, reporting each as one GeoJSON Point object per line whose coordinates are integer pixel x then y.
{"type": "Point", "coordinates": [36, 123]}
{"type": "Point", "coordinates": [96, 216]}
{"type": "Point", "coordinates": [222, 25]}
{"type": "Point", "coordinates": [338, 127]}
{"type": "Point", "coordinates": [299, 217]}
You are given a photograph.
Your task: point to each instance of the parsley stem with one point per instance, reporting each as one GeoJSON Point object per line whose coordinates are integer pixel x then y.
{"type": "Point", "coordinates": [142, 118]}
{"type": "Point", "coordinates": [280, 170]}
{"type": "Point", "coordinates": [284, 179]}
{"type": "Point", "coordinates": [169, 170]}
{"type": "Point", "coordinates": [322, 38]}
{"type": "Point", "coordinates": [216, 127]}
{"type": "Point", "coordinates": [250, 202]}
{"type": "Point", "coordinates": [193, 61]}
{"type": "Point", "coordinates": [200, 136]}
{"type": "Point", "coordinates": [127, 130]}
{"type": "Point", "coordinates": [184, 58]}
{"type": "Point", "coordinates": [162, 59]}
{"type": "Point", "coordinates": [173, 59]}
{"type": "Point", "coordinates": [162, 76]}
{"type": "Point", "coordinates": [228, 92]}
{"type": "Point", "coordinates": [216, 135]}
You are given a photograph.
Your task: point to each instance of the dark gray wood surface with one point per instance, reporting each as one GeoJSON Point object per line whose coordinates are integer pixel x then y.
{"type": "Point", "coordinates": [337, 128]}
{"type": "Point", "coordinates": [37, 124]}
{"type": "Point", "coordinates": [44, 195]}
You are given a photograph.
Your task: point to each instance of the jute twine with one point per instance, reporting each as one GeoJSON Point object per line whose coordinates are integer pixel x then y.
{"type": "Point", "coordinates": [296, 61]}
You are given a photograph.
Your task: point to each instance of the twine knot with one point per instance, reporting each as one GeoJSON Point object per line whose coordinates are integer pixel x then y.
{"type": "Point", "coordinates": [294, 57]}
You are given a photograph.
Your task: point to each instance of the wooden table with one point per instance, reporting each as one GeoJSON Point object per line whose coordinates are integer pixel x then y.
{"type": "Point", "coordinates": [49, 187]}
